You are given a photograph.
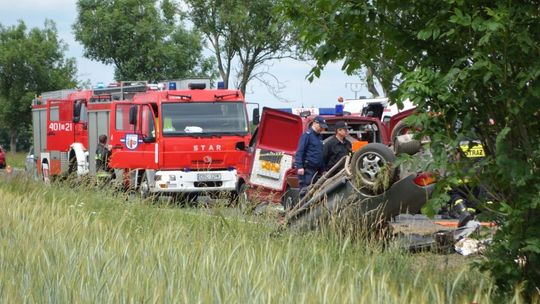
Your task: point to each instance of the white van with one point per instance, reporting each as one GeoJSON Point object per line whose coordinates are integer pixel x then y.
{"type": "Point", "coordinates": [375, 107]}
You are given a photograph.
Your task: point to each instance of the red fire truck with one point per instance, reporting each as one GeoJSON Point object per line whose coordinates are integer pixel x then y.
{"type": "Point", "coordinates": [182, 141]}
{"type": "Point", "coordinates": [64, 123]}
{"type": "Point", "coordinates": [166, 141]}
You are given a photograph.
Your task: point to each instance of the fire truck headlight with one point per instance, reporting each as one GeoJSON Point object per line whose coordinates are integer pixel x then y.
{"type": "Point", "coordinates": [172, 178]}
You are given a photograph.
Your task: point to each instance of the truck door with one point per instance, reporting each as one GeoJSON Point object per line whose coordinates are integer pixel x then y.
{"type": "Point", "coordinates": [275, 146]}
{"type": "Point", "coordinates": [80, 122]}
{"type": "Point", "coordinates": [60, 131]}
{"type": "Point", "coordinates": [133, 142]}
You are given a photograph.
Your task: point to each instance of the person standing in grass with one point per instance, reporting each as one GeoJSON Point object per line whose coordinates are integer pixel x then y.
{"type": "Point", "coordinates": [103, 153]}
{"type": "Point", "coordinates": [309, 155]}
{"type": "Point", "coordinates": [337, 146]}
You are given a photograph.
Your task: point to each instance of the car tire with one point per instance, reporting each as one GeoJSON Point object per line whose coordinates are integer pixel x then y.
{"type": "Point", "coordinates": [372, 167]}
{"type": "Point", "coordinates": [410, 147]}
{"type": "Point", "coordinates": [290, 198]}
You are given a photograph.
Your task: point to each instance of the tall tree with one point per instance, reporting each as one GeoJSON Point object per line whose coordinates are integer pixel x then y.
{"type": "Point", "coordinates": [31, 61]}
{"type": "Point", "coordinates": [354, 32]}
{"type": "Point", "coordinates": [242, 34]}
{"type": "Point", "coordinates": [474, 64]}
{"type": "Point", "coordinates": [143, 39]}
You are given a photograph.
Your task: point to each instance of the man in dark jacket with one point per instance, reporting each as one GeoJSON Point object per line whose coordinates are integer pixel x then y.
{"type": "Point", "coordinates": [309, 154]}
{"type": "Point", "coordinates": [102, 154]}
{"type": "Point", "coordinates": [337, 146]}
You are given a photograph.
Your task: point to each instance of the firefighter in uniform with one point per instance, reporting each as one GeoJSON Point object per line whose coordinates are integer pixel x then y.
{"type": "Point", "coordinates": [463, 197]}
{"type": "Point", "coordinates": [337, 146]}
{"type": "Point", "coordinates": [309, 161]}
{"type": "Point", "coordinates": [102, 158]}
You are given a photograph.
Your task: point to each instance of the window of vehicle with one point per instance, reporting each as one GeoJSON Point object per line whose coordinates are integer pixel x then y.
{"type": "Point", "coordinates": [147, 122]}
{"type": "Point", "coordinates": [83, 114]}
{"type": "Point", "coordinates": [204, 118]}
{"type": "Point", "coordinates": [54, 114]}
{"type": "Point", "coordinates": [122, 117]}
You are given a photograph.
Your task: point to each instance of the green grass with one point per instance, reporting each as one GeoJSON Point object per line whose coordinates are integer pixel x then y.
{"type": "Point", "coordinates": [70, 245]}
{"type": "Point", "coordinates": [16, 160]}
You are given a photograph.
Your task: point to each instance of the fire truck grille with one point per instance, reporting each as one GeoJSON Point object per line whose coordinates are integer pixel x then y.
{"type": "Point", "coordinates": [207, 184]}
{"type": "Point", "coordinates": [200, 162]}
{"type": "Point", "coordinates": [205, 168]}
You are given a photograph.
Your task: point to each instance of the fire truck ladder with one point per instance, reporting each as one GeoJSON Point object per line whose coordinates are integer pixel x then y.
{"type": "Point", "coordinates": [126, 90]}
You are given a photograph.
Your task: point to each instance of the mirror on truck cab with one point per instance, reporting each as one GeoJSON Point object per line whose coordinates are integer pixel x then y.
{"type": "Point", "coordinates": [240, 146]}
{"type": "Point", "coordinates": [256, 116]}
{"type": "Point", "coordinates": [149, 139]}
{"type": "Point", "coordinates": [77, 111]}
{"type": "Point", "coordinates": [133, 115]}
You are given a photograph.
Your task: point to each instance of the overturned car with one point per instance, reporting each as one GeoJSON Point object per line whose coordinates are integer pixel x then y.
{"type": "Point", "coordinates": [366, 184]}
{"type": "Point", "coordinates": [367, 191]}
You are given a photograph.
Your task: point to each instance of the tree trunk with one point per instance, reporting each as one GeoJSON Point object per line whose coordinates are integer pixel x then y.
{"type": "Point", "coordinates": [371, 83]}
{"type": "Point", "coordinates": [13, 141]}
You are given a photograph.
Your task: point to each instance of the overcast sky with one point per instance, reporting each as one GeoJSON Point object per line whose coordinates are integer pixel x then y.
{"type": "Point", "coordinates": [323, 92]}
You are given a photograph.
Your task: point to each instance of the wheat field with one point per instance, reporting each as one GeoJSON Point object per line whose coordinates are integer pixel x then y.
{"type": "Point", "coordinates": [66, 244]}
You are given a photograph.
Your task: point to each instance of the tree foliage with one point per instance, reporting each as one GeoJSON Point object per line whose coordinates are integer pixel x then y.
{"type": "Point", "coordinates": [475, 65]}
{"type": "Point", "coordinates": [360, 34]}
{"type": "Point", "coordinates": [31, 61]}
{"type": "Point", "coordinates": [243, 32]}
{"type": "Point", "coordinates": [143, 39]}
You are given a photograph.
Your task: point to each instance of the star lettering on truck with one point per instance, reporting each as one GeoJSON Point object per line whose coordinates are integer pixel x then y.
{"type": "Point", "coordinates": [197, 148]}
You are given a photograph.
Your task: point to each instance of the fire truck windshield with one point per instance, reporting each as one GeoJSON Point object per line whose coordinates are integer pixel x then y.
{"type": "Point", "coordinates": [207, 118]}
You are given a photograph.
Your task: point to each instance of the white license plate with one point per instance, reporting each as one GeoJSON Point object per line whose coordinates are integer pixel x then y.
{"type": "Point", "coordinates": [203, 177]}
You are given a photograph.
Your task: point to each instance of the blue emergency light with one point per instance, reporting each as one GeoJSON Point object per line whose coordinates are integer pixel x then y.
{"type": "Point", "coordinates": [172, 85]}
{"type": "Point", "coordinates": [286, 110]}
{"type": "Point", "coordinates": [339, 109]}
{"type": "Point", "coordinates": [327, 111]}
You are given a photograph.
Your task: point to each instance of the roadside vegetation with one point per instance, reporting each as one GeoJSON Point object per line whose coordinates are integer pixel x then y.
{"type": "Point", "coordinates": [16, 160]}
{"type": "Point", "coordinates": [60, 244]}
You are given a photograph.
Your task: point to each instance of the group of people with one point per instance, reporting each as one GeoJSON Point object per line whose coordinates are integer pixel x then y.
{"type": "Point", "coordinates": [313, 158]}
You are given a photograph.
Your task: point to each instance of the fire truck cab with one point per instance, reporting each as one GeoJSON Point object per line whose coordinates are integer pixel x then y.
{"type": "Point", "coordinates": [181, 141]}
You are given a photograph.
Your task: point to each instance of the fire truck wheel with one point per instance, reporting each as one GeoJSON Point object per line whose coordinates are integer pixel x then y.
{"type": "Point", "coordinates": [72, 167]}
{"type": "Point", "coordinates": [233, 199]}
{"type": "Point", "coordinates": [144, 188]}
{"type": "Point", "coordinates": [372, 168]}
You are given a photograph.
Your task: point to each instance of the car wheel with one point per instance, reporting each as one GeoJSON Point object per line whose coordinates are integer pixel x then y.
{"type": "Point", "coordinates": [404, 145]}
{"type": "Point", "coordinates": [290, 198]}
{"type": "Point", "coordinates": [372, 167]}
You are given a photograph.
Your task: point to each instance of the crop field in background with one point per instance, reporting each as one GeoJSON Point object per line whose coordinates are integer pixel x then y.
{"type": "Point", "coordinates": [65, 244]}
